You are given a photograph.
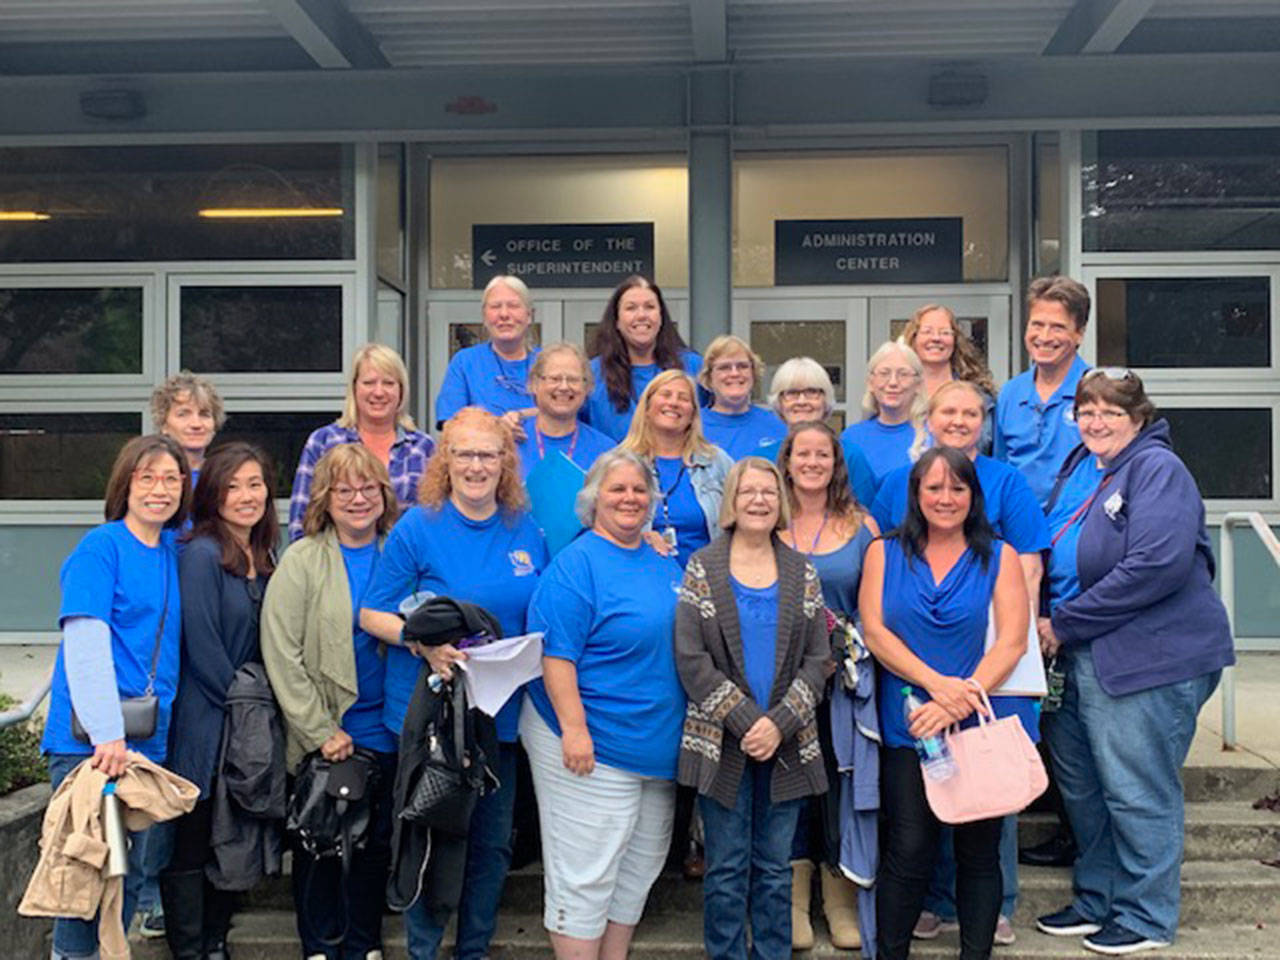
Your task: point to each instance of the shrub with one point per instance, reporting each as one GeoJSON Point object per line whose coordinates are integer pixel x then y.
{"type": "Point", "coordinates": [20, 762]}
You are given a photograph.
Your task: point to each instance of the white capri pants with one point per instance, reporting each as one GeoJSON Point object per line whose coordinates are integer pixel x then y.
{"type": "Point", "coordinates": [604, 836]}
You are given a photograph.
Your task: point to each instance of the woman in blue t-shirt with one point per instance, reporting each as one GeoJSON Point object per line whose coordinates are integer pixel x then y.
{"type": "Point", "coordinates": [924, 600]}
{"type": "Point", "coordinates": [470, 538]}
{"type": "Point", "coordinates": [752, 651]}
{"type": "Point", "coordinates": [327, 676]}
{"type": "Point", "coordinates": [222, 573]}
{"type": "Point", "coordinates": [602, 725]}
{"type": "Point", "coordinates": [894, 403]}
{"type": "Point", "coordinates": [636, 340]}
{"type": "Point", "coordinates": [121, 620]}
{"type": "Point", "coordinates": [666, 432]}
{"type": "Point", "coordinates": [731, 370]}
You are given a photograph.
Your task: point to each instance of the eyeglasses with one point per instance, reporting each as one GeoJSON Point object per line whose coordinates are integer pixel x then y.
{"type": "Point", "coordinates": [1105, 416]}
{"type": "Point", "coordinates": [486, 458]}
{"type": "Point", "coordinates": [562, 380]}
{"type": "Point", "coordinates": [148, 480]}
{"type": "Point", "coordinates": [345, 494]}
{"type": "Point", "coordinates": [886, 374]}
{"type": "Point", "coordinates": [732, 366]}
{"type": "Point", "coordinates": [767, 494]}
{"type": "Point", "coordinates": [1111, 373]}
{"type": "Point", "coordinates": [807, 393]}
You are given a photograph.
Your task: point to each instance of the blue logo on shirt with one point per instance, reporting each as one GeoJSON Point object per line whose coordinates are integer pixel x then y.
{"type": "Point", "coordinates": [1069, 415]}
{"type": "Point", "coordinates": [521, 563]}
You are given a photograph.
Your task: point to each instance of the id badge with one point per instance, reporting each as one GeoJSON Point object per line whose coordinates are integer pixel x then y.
{"type": "Point", "coordinates": [669, 535]}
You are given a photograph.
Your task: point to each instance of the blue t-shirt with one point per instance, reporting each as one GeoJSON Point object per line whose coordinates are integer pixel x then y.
{"type": "Point", "coordinates": [1011, 507]}
{"type": "Point", "coordinates": [1064, 580]}
{"type": "Point", "coordinates": [581, 447]}
{"type": "Point", "coordinates": [840, 571]}
{"type": "Point", "coordinates": [493, 563]}
{"type": "Point", "coordinates": [758, 623]}
{"type": "Point", "coordinates": [611, 611]}
{"type": "Point", "coordinates": [113, 576]}
{"type": "Point", "coordinates": [1033, 437]}
{"type": "Point", "coordinates": [885, 448]}
{"type": "Point", "coordinates": [478, 377]}
{"type": "Point", "coordinates": [599, 410]}
{"type": "Point", "coordinates": [363, 719]}
{"type": "Point", "coordinates": [757, 432]}
{"type": "Point", "coordinates": [679, 508]}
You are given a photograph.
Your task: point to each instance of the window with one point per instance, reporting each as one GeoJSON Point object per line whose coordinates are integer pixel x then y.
{"type": "Point", "coordinates": [199, 202]}
{"type": "Point", "coordinates": [1227, 449]}
{"type": "Point", "coordinates": [391, 226]}
{"type": "Point", "coordinates": [281, 436]}
{"type": "Point", "coordinates": [249, 329]}
{"type": "Point", "coordinates": [61, 456]}
{"type": "Point", "coordinates": [71, 330]}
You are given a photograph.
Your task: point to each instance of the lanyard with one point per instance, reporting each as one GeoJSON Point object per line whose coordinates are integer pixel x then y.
{"type": "Point", "coordinates": [816, 537]}
{"type": "Point", "coordinates": [666, 494]}
{"type": "Point", "coordinates": [542, 450]}
{"type": "Point", "coordinates": [1080, 511]}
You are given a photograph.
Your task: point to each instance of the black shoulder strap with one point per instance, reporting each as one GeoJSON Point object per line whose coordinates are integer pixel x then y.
{"type": "Point", "coordinates": [164, 612]}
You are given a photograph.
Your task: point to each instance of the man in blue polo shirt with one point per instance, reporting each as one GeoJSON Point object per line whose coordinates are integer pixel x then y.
{"type": "Point", "coordinates": [1035, 425]}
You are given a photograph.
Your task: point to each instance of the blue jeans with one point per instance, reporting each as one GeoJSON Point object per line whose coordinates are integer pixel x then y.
{"type": "Point", "coordinates": [79, 938]}
{"type": "Point", "coordinates": [157, 850]}
{"type": "Point", "coordinates": [1118, 761]}
{"type": "Point", "coordinates": [488, 859]}
{"type": "Point", "coordinates": [941, 898]}
{"type": "Point", "coordinates": [748, 870]}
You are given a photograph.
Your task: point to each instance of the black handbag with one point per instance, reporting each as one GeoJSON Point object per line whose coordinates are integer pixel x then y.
{"type": "Point", "coordinates": [451, 778]}
{"type": "Point", "coordinates": [139, 713]}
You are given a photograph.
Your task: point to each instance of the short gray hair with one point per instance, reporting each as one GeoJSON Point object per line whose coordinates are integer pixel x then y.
{"type": "Point", "coordinates": [585, 505]}
{"type": "Point", "coordinates": [800, 373]}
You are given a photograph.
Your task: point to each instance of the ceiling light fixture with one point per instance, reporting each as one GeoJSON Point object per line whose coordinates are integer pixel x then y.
{"type": "Point", "coordinates": [248, 213]}
{"type": "Point", "coordinates": [22, 216]}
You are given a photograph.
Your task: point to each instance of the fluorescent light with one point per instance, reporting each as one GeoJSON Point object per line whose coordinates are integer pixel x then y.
{"type": "Point", "coordinates": [245, 213]}
{"type": "Point", "coordinates": [22, 216]}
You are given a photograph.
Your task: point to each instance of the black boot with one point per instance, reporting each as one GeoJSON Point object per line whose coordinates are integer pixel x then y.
{"type": "Point", "coordinates": [218, 907]}
{"type": "Point", "coordinates": [182, 894]}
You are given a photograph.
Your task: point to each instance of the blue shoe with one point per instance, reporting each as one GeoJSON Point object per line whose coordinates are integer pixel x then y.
{"type": "Point", "coordinates": [1116, 941]}
{"type": "Point", "coordinates": [1067, 922]}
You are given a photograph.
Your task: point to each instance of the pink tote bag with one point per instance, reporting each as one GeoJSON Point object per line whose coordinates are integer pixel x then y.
{"type": "Point", "coordinates": [998, 771]}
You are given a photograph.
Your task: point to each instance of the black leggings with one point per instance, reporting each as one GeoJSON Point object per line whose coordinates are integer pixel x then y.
{"type": "Point", "coordinates": [908, 849]}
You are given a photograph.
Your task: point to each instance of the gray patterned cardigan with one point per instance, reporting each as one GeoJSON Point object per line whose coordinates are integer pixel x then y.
{"type": "Point", "coordinates": [710, 662]}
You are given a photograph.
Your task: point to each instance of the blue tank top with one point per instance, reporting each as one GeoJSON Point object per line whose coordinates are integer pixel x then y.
{"type": "Point", "coordinates": [841, 572]}
{"type": "Point", "coordinates": [944, 624]}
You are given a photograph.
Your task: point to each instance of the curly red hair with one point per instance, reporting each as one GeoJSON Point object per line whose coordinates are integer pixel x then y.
{"type": "Point", "coordinates": [436, 485]}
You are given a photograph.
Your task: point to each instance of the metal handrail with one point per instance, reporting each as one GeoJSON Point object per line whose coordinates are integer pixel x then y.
{"type": "Point", "coordinates": [28, 706]}
{"type": "Point", "coordinates": [1227, 573]}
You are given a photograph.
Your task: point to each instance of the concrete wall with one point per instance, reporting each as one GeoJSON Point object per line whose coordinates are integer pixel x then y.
{"type": "Point", "coordinates": [21, 814]}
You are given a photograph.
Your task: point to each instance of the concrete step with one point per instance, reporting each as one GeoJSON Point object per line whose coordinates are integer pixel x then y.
{"type": "Point", "coordinates": [1242, 782]}
{"type": "Point", "coordinates": [271, 935]}
{"type": "Point", "coordinates": [1220, 830]}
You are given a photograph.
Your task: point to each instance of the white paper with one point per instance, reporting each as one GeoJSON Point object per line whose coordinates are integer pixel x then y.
{"type": "Point", "coordinates": [496, 670]}
{"type": "Point", "coordinates": [1027, 678]}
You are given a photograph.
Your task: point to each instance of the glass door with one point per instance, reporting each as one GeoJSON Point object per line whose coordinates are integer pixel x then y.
{"type": "Point", "coordinates": [985, 319]}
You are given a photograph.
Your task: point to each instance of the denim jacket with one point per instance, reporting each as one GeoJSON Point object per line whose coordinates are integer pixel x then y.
{"type": "Point", "coordinates": [707, 473]}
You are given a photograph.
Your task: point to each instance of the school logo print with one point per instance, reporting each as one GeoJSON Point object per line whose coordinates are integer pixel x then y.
{"type": "Point", "coordinates": [521, 563]}
{"type": "Point", "coordinates": [1069, 415]}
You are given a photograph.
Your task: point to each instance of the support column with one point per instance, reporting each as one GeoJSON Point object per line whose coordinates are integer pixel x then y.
{"type": "Point", "coordinates": [710, 205]}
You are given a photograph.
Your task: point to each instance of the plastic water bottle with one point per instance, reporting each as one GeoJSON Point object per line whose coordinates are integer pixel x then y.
{"type": "Point", "coordinates": [935, 757]}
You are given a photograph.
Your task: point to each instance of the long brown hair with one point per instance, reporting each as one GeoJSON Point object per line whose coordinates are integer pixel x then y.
{"type": "Point", "coordinates": [841, 505]}
{"type": "Point", "coordinates": [966, 361]}
{"type": "Point", "coordinates": [615, 361]}
{"type": "Point", "coordinates": [220, 466]}
{"type": "Point", "coordinates": [132, 456]}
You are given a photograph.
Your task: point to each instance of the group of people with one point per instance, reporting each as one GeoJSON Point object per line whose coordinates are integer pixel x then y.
{"type": "Point", "coordinates": [731, 597]}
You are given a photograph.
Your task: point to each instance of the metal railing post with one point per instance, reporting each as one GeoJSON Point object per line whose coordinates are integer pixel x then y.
{"type": "Point", "coordinates": [1227, 574]}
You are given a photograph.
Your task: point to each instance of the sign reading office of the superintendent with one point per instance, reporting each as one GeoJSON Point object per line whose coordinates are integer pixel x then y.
{"type": "Point", "coordinates": [561, 254]}
{"type": "Point", "coordinates": [907, 250]}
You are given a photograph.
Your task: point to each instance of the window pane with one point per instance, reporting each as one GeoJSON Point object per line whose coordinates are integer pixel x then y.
{"type": "Point", "coordinates": [969, 183]}
{"type": "Point", "coordinates": [30, 557]}
{"type": "Point", "coordinates": [1185, 322]}
{"type": "Point", "coordinates": [469, 334]}
{"type": "Point", "coordinates": [779, 340]}
{"type": "Point", "coordinates": [391, 212]}
{"type": "Point", "coordinates": [1182, 189]}
{"type": "Point", "coordinates": [61, 456]}
{"type": "Point", "coordinates": [145, 203]}
{"type": "Point", "coordinates": [267, 329]}
{"type": "Point", "coordinates": [1048, 213]}
{"type": "Point", "coordinates": [1228, 451]}
{"type": "Point", "coordinates": [71, 330]}
{"type": "Point", "coordinates": [466, 191]}
{"type": "Point", "coordinates": [281, 435]}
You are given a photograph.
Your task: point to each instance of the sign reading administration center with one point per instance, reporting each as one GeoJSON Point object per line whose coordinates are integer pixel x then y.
{"type": "Point", "coordinates": [561, 254]}
{"type": "Point", "coordinates": [912, 250]}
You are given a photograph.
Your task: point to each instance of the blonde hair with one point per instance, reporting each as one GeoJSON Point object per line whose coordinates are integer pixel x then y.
{"type": "Point", "coordinates": [639, 438]}
{"type": "Point", "coordinates": [387, 362]}
{"type": "Point", "coordinates": [539, 365]}
{"type": "Point", "coordinates": [724, 345]}
{"type": "Point", "coordinates": [916, 414]}
{"type": "Point", "coordinates": [729, 502]}
{"type": "Point", "coordinates": [515, 285]}
{"type": "Point", "coordinates": [201, 391]}
{"type": "Point", "coordinates": [935, 401]}
{"type": "Point", "coordinates": [966, 361]}
{"type": "Point", "coordinates": [800, 373]}
{"type": "Point", "coordinates": [347, 461]}
{"type": "Point", "coordinates": [436, 484]}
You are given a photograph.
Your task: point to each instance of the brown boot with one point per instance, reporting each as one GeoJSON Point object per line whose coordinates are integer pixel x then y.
{"type": "Point", "coordinates": [801, 884]}
{"type": "Point", "coordinates": [840, 905]}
